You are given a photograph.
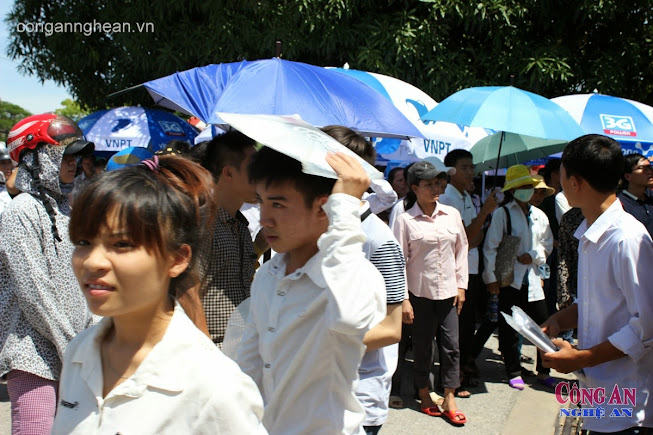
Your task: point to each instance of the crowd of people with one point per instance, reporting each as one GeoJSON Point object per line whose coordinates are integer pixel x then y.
{"type": "Point", "coordinates": [119, 286]}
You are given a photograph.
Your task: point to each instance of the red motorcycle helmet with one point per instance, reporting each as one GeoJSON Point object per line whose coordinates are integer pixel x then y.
{"type": "Point", "coordinates": [46, 128]}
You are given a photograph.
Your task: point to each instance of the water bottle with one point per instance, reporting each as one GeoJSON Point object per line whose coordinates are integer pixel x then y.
{"type": "Point", "coordinates": [493, 308]}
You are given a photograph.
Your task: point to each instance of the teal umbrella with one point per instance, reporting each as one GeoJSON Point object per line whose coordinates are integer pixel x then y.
{"type": "Point", "coordinates": [515, 149]}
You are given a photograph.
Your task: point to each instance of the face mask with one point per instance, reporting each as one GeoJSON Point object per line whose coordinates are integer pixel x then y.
{"type": "Point", "coordinates": [524, 195]}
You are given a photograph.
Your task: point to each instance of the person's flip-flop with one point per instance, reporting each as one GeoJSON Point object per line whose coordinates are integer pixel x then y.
{"type": "Point", "coordinates": [548, 382]}
{"type": "Point", "coordinates": [433, 411]}
{"type": "Point", "coordinates": [396, 402]}
{"type": "Point", "coordinates": [462, 393]}
{"type": "Point", "coordinates": [457, 418]}
{"type": "Point", "coordinates": [517, 383]}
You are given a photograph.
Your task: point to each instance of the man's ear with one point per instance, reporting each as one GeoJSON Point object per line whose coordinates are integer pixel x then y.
{"type": "Point", "coordinates": [180, 261]}
{"type": "Point", "coordinates": [227, 172]}
{"type": "Point", "coordinates": [317, 205]}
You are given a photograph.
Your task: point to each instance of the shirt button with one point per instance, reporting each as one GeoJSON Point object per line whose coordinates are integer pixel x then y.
{"type": "Point", "coordinates": [271, 329]}
{"type": "Point", "coordinates": [267, 366]}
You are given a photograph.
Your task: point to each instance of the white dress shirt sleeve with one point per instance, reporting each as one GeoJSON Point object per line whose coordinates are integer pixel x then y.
{"type": "Point", "coordinates": [462, 275]}
{"type": "Point", "coordinates": [248, 356]}
{"type": "Point", "coordinates": [543, 245]}
{"type": "Point", "coordinates": [632, 265]}
{"type": "Point", "coordinates": [492, 241]}
{"type": "Point", "coordinates": [383, 197]}
{"type": "Point", "coordinates": [356, 289]}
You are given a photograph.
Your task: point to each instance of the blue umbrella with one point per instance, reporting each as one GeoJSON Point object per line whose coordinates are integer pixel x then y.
{"type": "Point", "coordinates": [280, 87]}
{"type": "Point", "coordinates": [629, 122]}
{"type": "Point", "coordinates": [508, 109]}
{"type": "Point", "coordinates": [123, 127]}
{"type": "Point", "coordinates": [195, 91]}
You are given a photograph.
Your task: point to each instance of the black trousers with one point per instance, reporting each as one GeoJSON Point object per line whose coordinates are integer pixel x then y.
{"type": "Point", "coordinates": [468, 318]}
{"type": "Point", "coordinates": [432, 317]}
{"type": "Point", "coordinates": [508, 337]}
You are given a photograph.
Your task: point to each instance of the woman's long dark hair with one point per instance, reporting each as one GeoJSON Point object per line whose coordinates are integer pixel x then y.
{"type": "Point", "coordinates": [161, 207]}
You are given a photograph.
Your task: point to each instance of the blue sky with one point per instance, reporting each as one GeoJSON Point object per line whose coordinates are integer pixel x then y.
{"type": "Point", "coordinates": [26, 91]}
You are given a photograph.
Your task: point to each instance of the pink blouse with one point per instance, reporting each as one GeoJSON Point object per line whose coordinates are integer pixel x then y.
{"type": "Point", "coordinates": [436, 251]}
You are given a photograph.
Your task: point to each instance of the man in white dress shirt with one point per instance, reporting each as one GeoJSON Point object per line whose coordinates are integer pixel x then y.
{"type": "Point", "coordinates": [615, 293]}
{"type": "Point", "coordinates": [312, 303]}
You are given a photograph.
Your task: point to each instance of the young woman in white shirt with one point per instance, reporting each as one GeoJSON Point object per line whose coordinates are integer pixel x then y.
{"type": "Point", "coordinates": [145, 368]}
{"type": "Point", "coordinates": [532, 226]}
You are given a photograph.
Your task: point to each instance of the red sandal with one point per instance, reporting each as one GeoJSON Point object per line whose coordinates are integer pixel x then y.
{"type": "Point", "coordinates": [433, 411]}
{"type": "Point", "coordinates": [457, 418]}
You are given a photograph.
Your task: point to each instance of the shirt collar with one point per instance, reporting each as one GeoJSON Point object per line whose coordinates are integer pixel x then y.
{"type": "Point", "coordinates": [452, 190]}
{"type": "Point", "coordinates": [594, 232]}
{"type": "Point", "coordinates": [415, 211]}
{"type": "Point", "coordinates": [157, 369]}
{"type": "Point", "coordinates": [312, 269]}
{"type": "Point", "coordinates": [629, 195]}
{"type": "Point", "coordinates": [224, 216]}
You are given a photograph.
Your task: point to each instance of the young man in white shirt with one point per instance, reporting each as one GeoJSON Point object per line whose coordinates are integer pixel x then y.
{"type": "Point", "coordinates": [314, 301]}
{"type": "Point", "coordinates": [456, 196]}
{"type": "Point", "coordinates": [615, 293]}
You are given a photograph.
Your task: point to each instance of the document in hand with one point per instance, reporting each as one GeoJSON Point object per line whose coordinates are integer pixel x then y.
{"type": "Point", "coordinates": [295, 138]}
{"type": "Point", "coordinates": [522, 323]}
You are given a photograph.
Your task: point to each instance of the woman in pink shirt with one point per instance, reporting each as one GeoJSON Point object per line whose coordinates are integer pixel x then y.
{"type": "Point", "coordinates": [433, 239]}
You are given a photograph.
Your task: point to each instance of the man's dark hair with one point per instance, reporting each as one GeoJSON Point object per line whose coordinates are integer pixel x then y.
{"type": "Point", "coordinates": [273, 167]}
{"type": "Point", "coordinates": [553, 165]}
{"type": "Point", "coordinates": [630, 160]}
{"type": "Point", "coordinates": [226, 150]}
{"type": "Point", "coordinates": [393, 173]}
{"type": "Point", "coordinates": [452, 157]}
{"type": "Point", "coordinates": [597, 159]}
{"type": "Point", "coordinates": [353, 141]}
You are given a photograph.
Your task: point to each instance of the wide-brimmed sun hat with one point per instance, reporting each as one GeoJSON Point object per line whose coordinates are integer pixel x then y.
{"type": "Point", "coordinates": [128, 157]}
{"type": "Point", "coordinates": [517, 176]}
{"type": "Point", "coordinates": [542, 185]}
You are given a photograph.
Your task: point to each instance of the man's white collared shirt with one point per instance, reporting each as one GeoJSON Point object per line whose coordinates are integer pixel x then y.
{"type": "Point", "coordinates": [463, 203]}
{"type": "Point", "coordinates": [184, 385]}
{"type": "Point", "coordinates": [615, 303]}
{"type": "Point", "coordinates": [303, 340]}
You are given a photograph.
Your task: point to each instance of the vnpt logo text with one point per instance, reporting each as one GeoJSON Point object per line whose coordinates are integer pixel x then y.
{"type": "Point", "coordinates": [118, 143]}
{"type": "Point", "coordinates": [618, 125]}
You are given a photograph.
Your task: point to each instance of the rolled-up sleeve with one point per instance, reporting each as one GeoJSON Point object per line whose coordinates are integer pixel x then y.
{"type": "Point", "coordinates": [356, 289]}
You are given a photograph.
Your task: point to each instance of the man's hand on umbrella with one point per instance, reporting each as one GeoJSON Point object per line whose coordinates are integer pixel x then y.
{"type": "Point", "coordinates": [352, 178]}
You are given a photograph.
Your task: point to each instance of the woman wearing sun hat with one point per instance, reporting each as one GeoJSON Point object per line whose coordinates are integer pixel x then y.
{"type": "Point", "coordinates": [532, 226]}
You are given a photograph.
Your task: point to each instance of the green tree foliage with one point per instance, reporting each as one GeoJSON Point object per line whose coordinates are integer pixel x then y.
{"type": "Point", "coordinates": [10, 114]}
{"type": "Point", "coordinates": [72, 110]}
{"type": "Point", "coordinates": [552, 47]}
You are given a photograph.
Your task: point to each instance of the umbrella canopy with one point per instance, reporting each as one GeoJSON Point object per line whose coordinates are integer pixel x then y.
{"type": "Point", "coordinates": [281, 87]}
{"type": "Point", "coordinates": [123, 127]}
{"type": "Point", "coordinates": [629, 122]}
{"type": "Point", "coordinates": [195, 91]}
{"type": "Point", "coordinates": [438, 138]}
{"type": "Point", "coordinates": [506, 109]}
{"type": "Point", "coordinates": [297, 139]}
{"type": "Point", "coordinates": [318, 95]}
{"type": "Point", "coordinates": [515, 149]}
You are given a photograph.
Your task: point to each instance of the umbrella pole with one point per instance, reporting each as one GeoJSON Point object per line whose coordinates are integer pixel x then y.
{"type": "Point", "coordinates": [496, 169]}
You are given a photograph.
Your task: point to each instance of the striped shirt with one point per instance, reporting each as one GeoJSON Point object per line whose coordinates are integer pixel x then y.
{"type": "Point", "coordinates": [378, 366]}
